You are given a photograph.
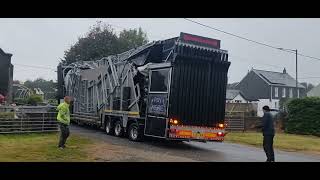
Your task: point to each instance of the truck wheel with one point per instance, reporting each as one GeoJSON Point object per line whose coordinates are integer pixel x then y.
{"type": "Point", "coordinates": [118, 130]}
{"type": "Point", "coordinates": [108, 128]}
{"type": "Point", "coordinates": [134, 132]}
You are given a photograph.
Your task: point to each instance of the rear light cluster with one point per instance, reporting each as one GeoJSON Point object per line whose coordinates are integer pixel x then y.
{"type": "Point", "coordinates": [220, 134]}
{"type": "Point", "coordinates": [174, 131]}
{"type": "Point", "coordinates": [220, 125]}
{"type": "Point", "coordinates": [173, 121]}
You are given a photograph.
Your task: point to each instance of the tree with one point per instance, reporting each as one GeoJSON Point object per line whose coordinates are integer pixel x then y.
{"type": "Point", "coordinates": [16, 82]}
{"type": "Point", "coordinates": [308, 86]}
{"type": "Point", "coordinates": [132, 38]}
{"type": "Point", "coordinates": [102, 41]}
{"type": "Point", "coordinates": [48, 87]}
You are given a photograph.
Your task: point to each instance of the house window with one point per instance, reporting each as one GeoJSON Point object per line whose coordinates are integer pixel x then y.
{"type": "Point", "coordinates": [276, 92]}
{"type": "Point", "coordinates": [290, 93]}
{"type": "Point", "coordinates": [284, 92]}
{"type": "Point", "coordinates": [238, 101]}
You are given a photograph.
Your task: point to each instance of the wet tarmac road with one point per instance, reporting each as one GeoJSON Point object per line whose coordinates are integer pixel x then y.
{"type": "Point", "coordinates": [197, 151]}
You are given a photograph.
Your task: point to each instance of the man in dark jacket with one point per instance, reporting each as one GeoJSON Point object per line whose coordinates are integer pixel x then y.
{"type": "Point", "coordinates": [268, 133]}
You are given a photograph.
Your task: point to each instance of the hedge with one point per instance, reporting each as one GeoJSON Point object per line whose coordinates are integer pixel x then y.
{"type": "Point", "coordinates": [304, 116]}
{"type": "Point", "coordinates": [6, 115]}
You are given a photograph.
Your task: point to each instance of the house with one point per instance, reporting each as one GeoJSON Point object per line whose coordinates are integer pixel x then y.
{"type": "Point", "coordinates": [6, 74]}
{"type": "Point", "coordinates": [39, 92]}
{"type": "Point", "coordinates": [232, 85]}
{"type": "Point", "coordinates": [236, 96]}
{"type": "Point", "coordinates": [314, 92]}
{"type": "Point", "coordinates": [236, 102]}
{"type": "Point", "coordinates": [269, 87]}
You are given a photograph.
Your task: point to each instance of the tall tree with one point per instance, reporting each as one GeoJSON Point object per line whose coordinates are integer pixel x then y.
{"type": "Point", "coordinates": [132, 38]}
{"type": "Point", "coordinates": [102, 41]}
{"type": "Point", "coordinates": [308, 86]}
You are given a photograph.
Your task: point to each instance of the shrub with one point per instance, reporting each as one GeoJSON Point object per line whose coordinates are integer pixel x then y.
{"type": "Point", "coordinates": [20, 101]}
{"type": "Point", "coordinates": [53, 101]}
{"type": "Point", "coordinates": [34, 100]}
{"type": "Point", "coordinates": [304, 116]}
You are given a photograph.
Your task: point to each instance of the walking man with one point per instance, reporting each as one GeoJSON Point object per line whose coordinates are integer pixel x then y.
{"type": "Point", "coordinates": [268, 133]}
{"type": "Point", "coordinates": [64, 121]}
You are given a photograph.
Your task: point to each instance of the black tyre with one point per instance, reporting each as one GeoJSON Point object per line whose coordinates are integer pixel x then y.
{"type": "Point", "coordinates": [118, 130]}
{"type": "Point", "coordinates": [108, 127]}
{"type": "Point", "coordinates": [134, 133]}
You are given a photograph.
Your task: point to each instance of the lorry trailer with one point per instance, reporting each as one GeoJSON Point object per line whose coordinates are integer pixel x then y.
{"type": "Point", "coordinates": [172, 89]}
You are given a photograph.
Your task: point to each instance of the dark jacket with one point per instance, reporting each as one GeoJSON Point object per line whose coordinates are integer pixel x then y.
{"type": "Point", "coordinates": [267, 125]}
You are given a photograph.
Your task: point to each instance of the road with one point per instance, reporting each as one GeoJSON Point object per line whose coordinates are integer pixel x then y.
{"type": "Point", "coordinates": [189, 151]}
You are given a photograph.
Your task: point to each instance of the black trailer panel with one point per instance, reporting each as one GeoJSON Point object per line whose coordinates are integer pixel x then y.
{"type": "Point", "coordinates": [198, 86]}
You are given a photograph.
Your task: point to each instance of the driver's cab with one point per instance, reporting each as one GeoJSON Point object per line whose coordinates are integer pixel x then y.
{"type": "Point", "coordinates": [158, 98]}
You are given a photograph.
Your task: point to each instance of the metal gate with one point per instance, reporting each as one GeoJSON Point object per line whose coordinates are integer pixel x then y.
{"type": "Point", "coordinates": [235, 121]}
{"type": "Point", "coordinates": [27, 120]}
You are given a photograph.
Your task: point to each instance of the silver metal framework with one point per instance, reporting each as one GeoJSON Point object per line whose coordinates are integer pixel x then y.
{"type": "Point", "coordinates": [98, 85]}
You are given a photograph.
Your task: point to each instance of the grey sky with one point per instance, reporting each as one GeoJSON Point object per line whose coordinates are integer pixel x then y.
{"type": "Point", "coordinates": [42, 42]}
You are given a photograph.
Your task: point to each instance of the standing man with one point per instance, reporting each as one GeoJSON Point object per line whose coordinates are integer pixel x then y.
{"type": "Point", "coordinates": [64, 121]}
{"type": "Point", "coordinates": [268, 133]}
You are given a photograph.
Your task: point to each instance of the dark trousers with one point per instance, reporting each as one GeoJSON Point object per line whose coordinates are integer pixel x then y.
{"type": "Point", "coordinates": [268, 147]}
{"type": "Point", "coordinates": [64, 134]}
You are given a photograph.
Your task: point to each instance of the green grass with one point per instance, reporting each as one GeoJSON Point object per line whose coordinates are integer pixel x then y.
{"type": "Point", "coordinates": [282, 141]}
{"type": "Point", "coordinates": [6, 115]}
{"type": "Point", "coordinates": [42, 147]}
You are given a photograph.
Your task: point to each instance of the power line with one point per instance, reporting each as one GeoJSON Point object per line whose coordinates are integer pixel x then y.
{"type": "Point", "coordinates": [260, 43]}
{"type": "Point", "coordinates": [310, 77]}
{"type": "Point", "coordinates": [245, 59]}
{"type": "Point", "coordinates": [32, 66]}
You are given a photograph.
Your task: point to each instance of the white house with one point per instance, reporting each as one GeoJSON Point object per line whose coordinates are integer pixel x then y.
{"type": "Point", "coordinates": [236, 96]}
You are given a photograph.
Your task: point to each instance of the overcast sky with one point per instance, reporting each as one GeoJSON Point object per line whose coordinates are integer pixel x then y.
{"type": "Point", "coordinates": [42, 42]}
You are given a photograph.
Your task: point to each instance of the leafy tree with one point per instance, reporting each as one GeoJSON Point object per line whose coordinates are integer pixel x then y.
{"type": "Point", "coordinates": [308, 86]}
{"type": "Point", "coordinates": [48, 87]}
{"type": "Point", "coordinates": [102, 41]}
{"type": "Point", "coordinates": [132, 38]}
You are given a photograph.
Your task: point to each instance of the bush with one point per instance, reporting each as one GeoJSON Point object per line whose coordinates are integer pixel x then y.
{"type": "Point", "coordinates": [304, 116]}
{"type": "Point", "coordinates": [53, 101]}
{"type": "Point", "coordinates": [6, 114]}
{"type": "Point", "coordinates": [20, 101]}
{"type": "Point", "coordinates": [34, 100]}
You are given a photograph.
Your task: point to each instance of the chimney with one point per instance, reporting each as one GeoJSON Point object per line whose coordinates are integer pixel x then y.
{"type": "Point", "coordinates": [284, 71]}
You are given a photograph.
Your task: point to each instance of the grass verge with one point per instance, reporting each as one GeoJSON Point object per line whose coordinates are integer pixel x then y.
{"type": "Point", "coordinates": [38, 147]}
{"type": "Point", "coordinates": [282, 141]}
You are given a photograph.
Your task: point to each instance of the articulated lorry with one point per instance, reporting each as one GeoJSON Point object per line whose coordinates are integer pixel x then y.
{"type": "Point", "coordinates": [172, 89]}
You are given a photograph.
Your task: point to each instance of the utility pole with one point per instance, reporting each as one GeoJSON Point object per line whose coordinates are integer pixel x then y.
{"type": "Point", "coordinates": [296, 51]}
{"type": "Point", "coordinates": [297, 73]}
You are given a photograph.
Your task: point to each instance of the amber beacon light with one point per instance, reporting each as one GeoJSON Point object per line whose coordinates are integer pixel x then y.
{"type": "Point", "coordinates": [174, 121]}
{"type": "Point", "coordinates": [221, 125]}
